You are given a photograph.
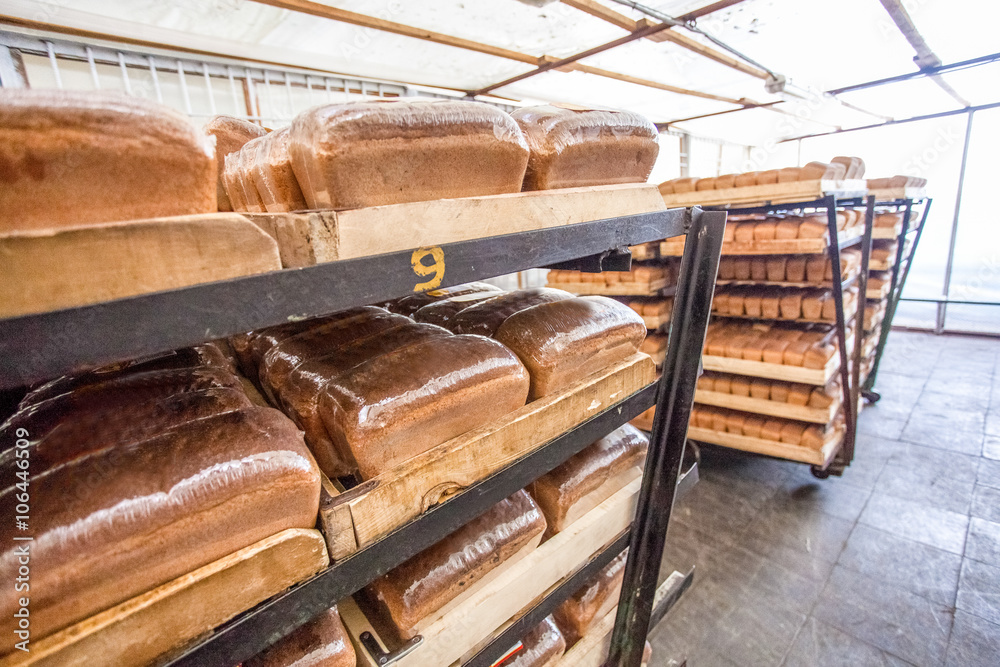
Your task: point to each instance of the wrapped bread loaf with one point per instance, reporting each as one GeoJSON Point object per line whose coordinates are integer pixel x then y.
{"type": "Point", "coordinates": [485, 318]}
{"type": "Point", "coordinates": [571, 148]}
{"type": "Point", "coordinates": [443, 312]}
{"type": "Point", "coordinates": [592, 601]}
{"type": "Point", "coordinates": [69, 160]}
{"type": "Point", "coordinates": [394, 151]}
{"type": "Point", "coordinates": [767, 177]}
{"type": "Point", "coordinates": [589, 477]}
{"type": "Point", "coordinates": [322, 642]}
{"type": "Point", "coordinates": [232, 181]}
{"type": "Point", "coordinates": [436, 576]}
{"type": "Point", "coordinates": [543, 646]}
{"type": "Point", "coordinates": [158, 509]}
{"type": "Point", "coordinates": [230, 134]}
{"type": "Point", "coordinates": [563, 341]}
{"type": "Point", "coordinates": [704, 184]}
{"type": "Point", "coordinates": [244, 163]}
{"type": "Point", "coordinates": [273, 177]}
{"type": "Point", "coordinates": [408, 305]}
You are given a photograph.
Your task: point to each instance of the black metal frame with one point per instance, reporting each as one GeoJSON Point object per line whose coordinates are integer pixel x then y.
{"type": "Point", "coordinates": [900, 270]}
{"type": "Point", "coordinates": [37, 347]}
{"type": "Point", "coordinates": [850, 366]}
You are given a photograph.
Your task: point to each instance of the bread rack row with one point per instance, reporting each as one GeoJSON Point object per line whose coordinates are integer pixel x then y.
{"type": "Point", "coordinates": [41, 346]}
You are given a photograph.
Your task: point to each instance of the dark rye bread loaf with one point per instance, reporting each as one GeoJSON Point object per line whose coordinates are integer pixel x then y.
{"type": "Point", "coordinates": [127, 519]}
{"type": "Point", "coordinates": [437, 575]}
{"type": "Point", "coordinates": [322, 642]}
{"type": "Point", "coordinates": [408, 305]}
{"type": "Point", "coordinates": [486, 317]}
{"type": "Point", "coordinates": [394, 151]}
{"type": "Point", "coordinates": [541, 647]}
{"type": "Point", "coordinates": [591, 601]}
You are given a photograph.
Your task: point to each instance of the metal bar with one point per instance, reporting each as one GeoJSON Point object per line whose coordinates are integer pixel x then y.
{"type": "Point", "coordinates": [291, 103]}
{"type": "Point", "coordinates": [846, 454]}
{"type": "Point", "coordinates": [939, 325]}
{"type": "Point", "coordinates": [141, 325]}
{"type": "Point", "coordinates": [208, 87]}
{"type": "Point", "coordinates": [93, 69]}
{"type": "Point", "coordinates": [253, 631]}
{"type": "Point", "coordinates": [850, 404]}
{"type": "Point", "coordinates": [156, 79]}
{"type": "Point", "coordinates": [54, 64]}
{"type": "Point", "coordinates": [124, 70]}
{"type": "Point", "coordinates": [184, 87]}
{"type": "Point", "coordinates": [501, 643]}
{"type": "Point", "coordinates": [924, 71]}
{"type": "Point", "coordinates": [12, 74]}
{"type": "Point", "coordinates": [251, 95]}
{"type": "Point", "coordinates": [957, 302]}
{"type": "Point", "coordinates": [668, 594]}
{"type": "Point", "coordinates": [692, 308]}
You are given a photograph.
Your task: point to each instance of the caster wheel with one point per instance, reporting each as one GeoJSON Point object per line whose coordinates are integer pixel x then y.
{"type": "Point", "coordinates": [820, 473]}
{"type": "Point", "coordinates": [872, 396]}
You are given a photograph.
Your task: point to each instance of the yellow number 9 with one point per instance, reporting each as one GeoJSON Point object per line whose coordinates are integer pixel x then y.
{"type": "Point", "coordinates": [421, 269]}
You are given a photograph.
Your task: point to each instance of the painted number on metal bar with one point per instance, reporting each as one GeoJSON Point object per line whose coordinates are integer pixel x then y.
{"type": "Point", "coordinates": [420, 267]}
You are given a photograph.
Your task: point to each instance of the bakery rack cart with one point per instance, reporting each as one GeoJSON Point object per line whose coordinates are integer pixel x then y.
{"type": "Point", "coordinates": [41, 346]}
{"type": "Point", "coordinates": [838, 453]}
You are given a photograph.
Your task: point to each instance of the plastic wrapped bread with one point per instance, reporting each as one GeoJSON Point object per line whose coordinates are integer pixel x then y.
{"type": "Point", "coordinates": [443, 312]}
{"type": "Point", "coordinates": [230, 134]}
{"type": "Point", "coordinates": [486, 317]}
{"type": "Point", "coordinates": [246, 160]}
{"type": "Point", "coordinates": [592, 601]}
{"type": "Point", "coordinates": [564, 341]}
{"type": "Point", "coordinates": [75, 158]}
{"type": "Point", "coordinates": [439, 574]}
{"type": "Point", "coordinates": [232, 182]}
{"type": "Point", "coordinates": [158, 509]}
{"type": "Point", "coordinates": [543, 646]}
{"type": "Point", "coordinates": [322, 642]}
{"type": "Point", "coordinates": [571, 148]}
{"type": "Point", "coordinates": [271, 173]}
{"type": "Point", "coordinates": [588, 472]}
{"type": "Point", "coordinates": [394, 151]}
{"type": "Point", "coordinates": [409, 305]}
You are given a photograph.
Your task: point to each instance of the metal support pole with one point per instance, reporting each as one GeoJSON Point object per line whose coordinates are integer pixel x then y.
{"type": "Point", "coordinates": [12, 73]}
{"type": "Point", "coordinates": [850, 393]}
{"type": "Point", "coordinates": [847, 451]}
{"type": "Point", "coordinates": [939, 324]}
{"type": "Point", "coordinates": [692, 307]}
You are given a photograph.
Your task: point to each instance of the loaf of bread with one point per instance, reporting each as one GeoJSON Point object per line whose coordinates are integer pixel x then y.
{"type": "Point", "coordinates": [442, 313]}
{"type": "Point", "coordinates": [434, 577]}
{"type": "Point", "coordinates": [75, 158]}
{"type": "Point", "coordinates": [232, 181]}
{"type": "Point", "coordinates": [704, 184]}
{"type": "Point", "coordinates": [592, 601]}
{"type": "Point", "coordinates": [571, 148]}
{"type": "Point", "coordinates": [408, 305]}
{"type": "Point", "coordinates": [588, 472]}
{"type": "Point", "coordinates": [157, 509]}
{"type": "Point", "coordinates": [854, 167]}
{"type": "Point", "coordinates": [543, 646]}
{"type": "Point", "coordinates": [394, 151]}
{"type": "Point", "coordinates": [230, 134]}
{"type": "Point", "coordinates": [725, 182]}
{"type": "Point", "coordinates": [787, 229]}
{"type": "Point", "coordinates": [486, 317]}
{"type": "Point", "coordinates": [682, 185]}
{"type": "Point", "coordinates": [563, 341]}
{"type": "Point", "coordinates": [322, 642]}
{"type": "Point", "coordinates": [273, 177]}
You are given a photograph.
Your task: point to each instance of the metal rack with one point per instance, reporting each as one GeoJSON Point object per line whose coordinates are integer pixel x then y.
{"type": "Point", "coordinates": [850, 364]}
{"type": "Point", "coordinates": [38, 347]}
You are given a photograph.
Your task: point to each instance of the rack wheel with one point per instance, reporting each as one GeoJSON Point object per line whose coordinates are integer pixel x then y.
{"type": "Point", "coordinates": [871, 396]}
{"type": "Point", "coordinates": [820, 473]}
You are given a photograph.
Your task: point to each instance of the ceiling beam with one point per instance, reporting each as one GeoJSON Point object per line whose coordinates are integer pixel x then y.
{"type": "Point", "coordinates": [605, 13]}
{"type": "Point", "coordinates": [587, 69]}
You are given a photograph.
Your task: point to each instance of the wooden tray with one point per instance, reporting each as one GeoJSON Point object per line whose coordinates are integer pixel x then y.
{"type": "Point", "coordinates": [675, 247]}
{"type": "Point", "coordinates": [815, 376]}
{"type": "Point", "coordinates": [466, 625]}
{"type": "Point", "coordinates": [313, 237]}
{"type": "Point", "coordinates": [363, 514]}
{"type": "Point", "coordinates": [800, 320]}
{"type": "Point", "coordinates": [139, 630]}
{"type": "Point", "coordinates": [52, 269]}
{"type": "Point", "coordinates": [645, 251]}
{"type": "Point", "coordinates": [779, 450]}
{"type": "Point", "coordinates": [654, 288]}
{"type": "Point", "coordinates": [773, 193]}
{"type": "Point", "coordinates": [892, 194]}
{"type": "Point", "coordinates": [770, 408]}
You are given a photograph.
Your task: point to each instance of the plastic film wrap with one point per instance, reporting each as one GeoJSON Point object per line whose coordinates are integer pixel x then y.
{"type": "Point", "coordinates": [443, 312]}
{"type": "Point", "coordinates": [394, 151]}
{"type": "Point", "coordinates": [72, 158]}
{"type": "Point", "coordinates": [594, 599]}
{"type": "Point", "coordinates": [485, 318]}
{"type": "Point", "coordinates": [395, 406]}
{"type": "Point", "coordinates": [557, 491]}
{"type": "Point", "coordinates": [322, 642]}
{"type": "Point", "coordinates": [571, 148]}
{"type": "Point", "coordinates": [543, 644]}
{"type": "Point", "coordinates": [158, 509]}
{"type": "Point", "coordinates": [409, 305]}
{"type": "Point", "coordinates": [272, 174]}
{"type": "Point", "coordinates": [564, 341]}
{"type": "Point", "coordinates": [230, 134]}
{"type": "Point", "coordinates": [232, 183]}
{"type": "Point", "coordinates": [243, 174]}
{"type": "Point", "coordinates": [437, 575]}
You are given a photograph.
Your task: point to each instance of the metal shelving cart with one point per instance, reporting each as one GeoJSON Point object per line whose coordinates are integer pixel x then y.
{"type": "Point", "coordinates": [38, 347]}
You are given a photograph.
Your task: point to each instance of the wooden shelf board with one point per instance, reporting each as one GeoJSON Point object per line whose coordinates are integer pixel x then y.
{"type": "Point", "coordinates": [654, 288]}
{"type": "Point", "coordinates": [775, 193]}
{"type": "Point", "coordinates": [814, 376]}
{"type": "Point", "coordinates": [779, 450]}
{"type": "Point", "coordinates": [770, 408]}
{"type": "Point", "coordinates": [892, 194]}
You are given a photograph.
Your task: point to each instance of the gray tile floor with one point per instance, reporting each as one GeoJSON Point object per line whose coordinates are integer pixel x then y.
{"type": "Point", "coordinates": [895, 563]}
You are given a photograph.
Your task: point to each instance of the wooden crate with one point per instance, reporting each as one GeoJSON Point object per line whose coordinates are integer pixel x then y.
{"type": "Point", "coordinates": [360, 516]}
{"type": "Point", "coordinates": [770, 408]}
{"type": "Point", "coordinates": [62, 268]}
{"type": "Point", "coordinates": [314, 237]}
{"type": "Point", "coordinates": [815, 376]}
{"type": "Point", "coordinates": [478, 616]}
{"type": "Point", "coordinates": [781, 450]}
{"type": "Point", "coordinates": [654, 288]}
{"type": "Point", "coordinates": [136, 632]}
{"type": "Point", "coordinates": [773, 193]}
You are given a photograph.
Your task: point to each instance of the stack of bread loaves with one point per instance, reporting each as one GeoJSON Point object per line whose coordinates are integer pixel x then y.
{"type": "Point", "coordinates": [770, 390]}
{"type": "Point", "coordinates": [151, 470]}
{"type": "Point", "coordinates": [751, 425]}
{"type": "Point", "coordinates": [840, 168]}
{"type": "Point", "coordinates": [813, 269]}
{"type": "Point", "coordinates": [809, 347]}
{"type": "Point", "coordinates": [785, 303]}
